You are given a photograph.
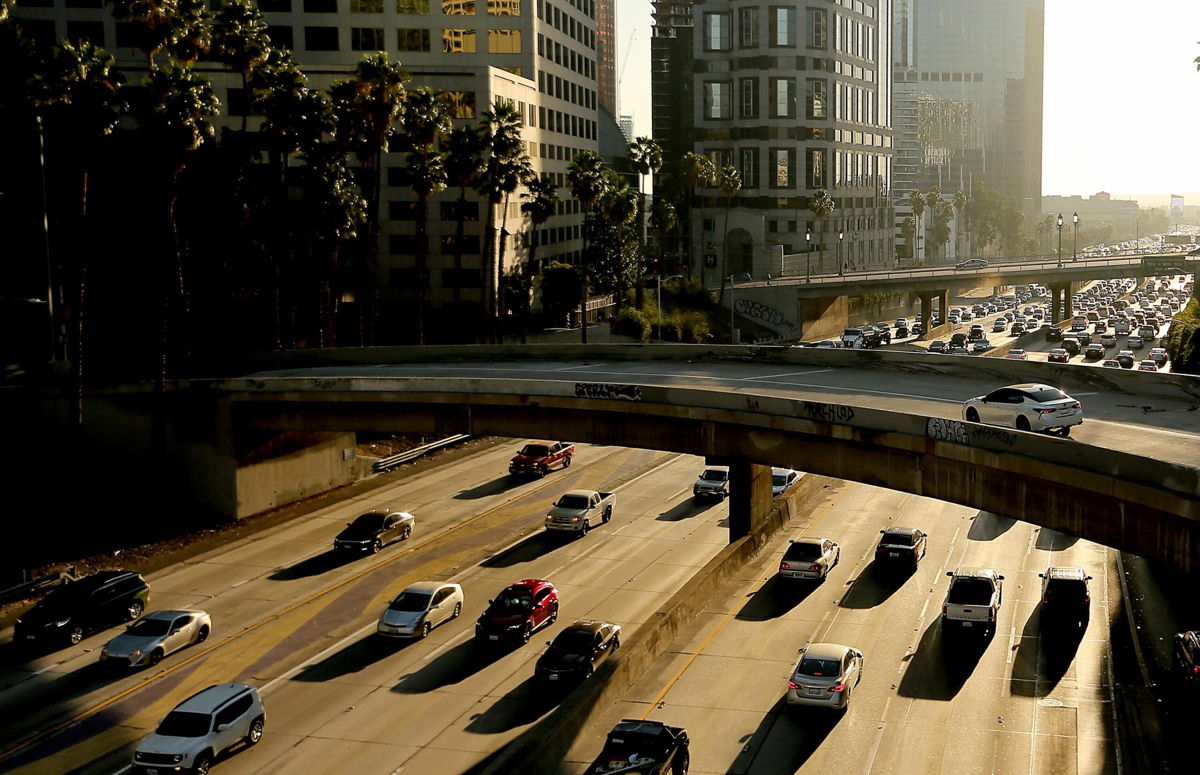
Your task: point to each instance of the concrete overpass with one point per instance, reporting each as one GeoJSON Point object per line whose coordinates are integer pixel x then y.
{"type": "Point", "coordinates": [796, 305]}
{"type": "Point", "coordinates": [798, 408]}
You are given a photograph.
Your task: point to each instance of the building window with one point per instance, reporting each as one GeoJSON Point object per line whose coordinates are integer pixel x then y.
{"type": "Point", "coordinates": [716, 31]}
{"type": "Point", "coordinates": [411, 39]}
{"type": "Point", "coordinates": [469, 244]}
{"type": "Point", "coordinates": [504, 41]}
{"type": "Point", "coordinates": [749, 167]}
{"type": "Point", "coordinates": [815, 168]}
{"type": "Point", "coordinates": [412, 6]}
{"type": "Point", "coordinates": [84, 30]}
{"type": "Point", "coordinates": [402, 211]}
{"type": "Point", "coordinates": [816, 99]}
{"type": "Point", "coordinates": [458, 7]}
{"type": "Point", "coordinates": [321, 38]}
{"type": "Point", "coordinates": [718, 100]}
{"type": "Point", "coordinates": [468, 210]}
{"type": "Point", "coordinates": [748, 27]}
{"type": "Point", "coordinates": [458, 41]}
{"type": "Point", "coordinates": [366, 6]}
{"type": "Point", "coordinates": [782, 167]}
{"type": "Point", "coordinates": [504, 7]}
{"type": "Point", "coordinates": [782, 33]}
{"type": "Point", "coordinates": [818, 28]}
{"type": "Point", "coordinates": [320, 6]}
{"type": "Point", "coordinates": [366, 38]}
{"type": "Point", "coordinates": [749, 97]}
{"type": "Point", "coordinates": [783, 98]}
{"type": "Point", "coordinates": [82, 4]}
{"type": "Point", "coordinates": [275, 6]}
{"type": "Point", "coordinates": [281, 36]}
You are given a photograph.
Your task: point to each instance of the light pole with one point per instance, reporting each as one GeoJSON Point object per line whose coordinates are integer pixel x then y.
{"type": "Point", "coordinates": [1060, 239]}
{"type": "Point", "coordinates": [1075, 238]}
{"type": "Point", "coordinates": [841, 265]}
{"type": "Point", "coordinates": [732, 330]}
{"type": "Point", "coordinates": [808, 255]}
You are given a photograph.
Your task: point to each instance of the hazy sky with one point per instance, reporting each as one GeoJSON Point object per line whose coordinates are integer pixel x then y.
{"type": "Point", "coordinates": [1122, 94]}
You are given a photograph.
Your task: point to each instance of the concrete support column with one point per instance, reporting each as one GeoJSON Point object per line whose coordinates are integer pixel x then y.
{"type": "Point", "coordinates": [1057, 299]}
{"type": "Point", "coordinates": [1068, 300]}
{"type": "Point", "coordinates": [749, 496]}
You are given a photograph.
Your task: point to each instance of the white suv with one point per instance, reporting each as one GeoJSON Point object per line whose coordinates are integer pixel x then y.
{"type": "Point", "coordinates": [199, 729]}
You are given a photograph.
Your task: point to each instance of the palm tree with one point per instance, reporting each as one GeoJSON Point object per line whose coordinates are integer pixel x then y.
{"type": "Point", "coordinates": [646, 158]}
{"type": "Point", "coordinates": [729, 180]}
{"type": "Point", "coordinates": [932, 197]}
{"type": "Point", "coordinates": [619, 206]}
{"type": "Point", "coordinates": [960, 209]}
{"type": "Point", "coordinates": [465, 166]}
{"type": "Point", "coordinates": [696, 171]}
{"type": "Point", "coordinates": [917, 203]}
{"type": "Point", "coordinates": [336, 211]}
{"type": "Point", "coordinates": [585, 175]}
{"type": "Point", "coordinates": [193, 30]}
{"type": "Point", "coordinates": [541, 201]}
{"type": "Point", "coordinates": [240, 39]}
{"type": "Point", "coordinates": [426, 122]}
{"type": "Point", "coordinates": [367, 110]}
{"type": "Point", "coordinates": [665, 220]}
{"type": "Point", "coordinates": [507, 168]}
{"type": "Point", "coordinates": [822, 207]}
{"type": "Point", "coordinates": [157, 21]}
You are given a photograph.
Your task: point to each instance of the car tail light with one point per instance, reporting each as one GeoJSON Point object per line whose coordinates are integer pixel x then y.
{"type": "Point", "coordinates": [1045, 411]}
{"type": "Point", "coordinates": [1195, 670]}
{"type": "Point", "coordinates": [793, 685]}
{"type": "Point", "coordinates": [1077, 405]}
{"type": "Point", "coordinates": [837, 689]}
{"type": "Point", "coordinates": [945, 609]}
{"type": "Point", "coordinates": [814, 567]}
{"type": "Point", "coordinates": [785, 566]}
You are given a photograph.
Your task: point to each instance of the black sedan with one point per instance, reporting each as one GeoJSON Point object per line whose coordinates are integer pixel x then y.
{"type": "Point", "coordinates": [370, 531]}
{"type": "Point", "coordinates": [900, 547]}
{"type": "Point", "coordinates": [577, 651]}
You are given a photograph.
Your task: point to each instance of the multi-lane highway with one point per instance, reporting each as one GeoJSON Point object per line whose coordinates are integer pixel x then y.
{"type": "Point", "coordinates": [1020, 702]}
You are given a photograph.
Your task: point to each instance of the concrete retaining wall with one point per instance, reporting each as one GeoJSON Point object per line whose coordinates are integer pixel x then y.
{"type": "Point", "coordinates": [283, 480]}
{"type": "Point", "coordinates": [541, 748]}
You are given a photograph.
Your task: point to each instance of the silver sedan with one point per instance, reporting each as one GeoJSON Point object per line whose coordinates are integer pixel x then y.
{"type": "Point", "coordinates": [149, 639]}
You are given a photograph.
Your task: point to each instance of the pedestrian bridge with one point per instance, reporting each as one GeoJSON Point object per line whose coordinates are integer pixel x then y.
{"type": "Point", "coordinates": [1127, 479]}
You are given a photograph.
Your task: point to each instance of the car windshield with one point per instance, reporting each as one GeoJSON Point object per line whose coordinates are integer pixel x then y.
{"type": "Point", "coordinates": [714, 475]}
{"type": "Point", "coordinates": [410, 601]}
{"type": "Point", "coordinates": [534, 450]}
{"type": "Point", "coordinates": [817, 666]}
{"type": "Point", "coordinates": [1047, 394]}
{"type": "Point", "coordinates": [370, 521]}
{"type": "Point", "coordinates": [572, 502]}
{"type": "Point", "coordinates": [515, 600]}
{"type": "Point", "coordinates": [149, 628]}
{"type": "Point", "coordinates": [1066, 591]}
{"type": "Point", "coordinates": [63, 598]}
{"type": "Point", "coordinates": [898, 539]}
{"type": "Point", "coordinates": [802, 551]}
{"type": "Point", "coordinates": [970, 591]}
{"type": "Point", "coordinates": [779, 480]}
{"type": "Point", "coordinates": [183, 724]}
{"type": "Point", "coordinates": [572, 643]}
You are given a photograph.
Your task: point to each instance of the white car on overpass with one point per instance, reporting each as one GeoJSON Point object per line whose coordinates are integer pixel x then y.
{"type": "Point", "coordinates": [1027, 407]}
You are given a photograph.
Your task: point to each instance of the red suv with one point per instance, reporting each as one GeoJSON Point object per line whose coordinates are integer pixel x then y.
{"type": "Point", "coordinates": [517, 611]}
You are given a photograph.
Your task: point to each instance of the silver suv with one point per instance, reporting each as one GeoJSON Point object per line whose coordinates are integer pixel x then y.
{"type": "Point", "coordinates": [200, 728]}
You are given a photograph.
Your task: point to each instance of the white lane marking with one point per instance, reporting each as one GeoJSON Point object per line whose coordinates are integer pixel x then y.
{"type": "Point", "coordinates": [1108, 669]}
{"type": "Point", "coordinates": [1092, 393]}
{"type": "Point", "coordinates": [870, 765]}
{"type": "Point", "coordinates": [1012, 637]}
{"type": "Point", "coordinates": [786, 374]}
{"type": "Point", "coordinates": [576, 367]}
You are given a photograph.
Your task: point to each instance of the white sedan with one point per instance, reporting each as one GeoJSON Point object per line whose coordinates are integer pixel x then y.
{"type": "Point", "coordinates": [1027, 407]}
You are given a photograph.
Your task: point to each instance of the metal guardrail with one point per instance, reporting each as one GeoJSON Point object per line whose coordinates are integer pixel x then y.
{"type": "Point", "coordinates": [19, 591]}
{"type": "Point", "coordinates": [391, 461]}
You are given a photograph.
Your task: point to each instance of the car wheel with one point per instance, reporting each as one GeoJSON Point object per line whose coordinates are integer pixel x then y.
{"type": "Point", "coordinates": [1022, 423]}
{"type": "Point", "coordinates": [972, 415]}
{"type": "Point", "coordinates": [155, 657]}
{"type": "Point", "coordinates": [202, 635]}
{"type": "Point", "coordinates": [567, 462]}
{"type": "Point", "coordinates": [76, 635]}
{"type": "Point", "coordinates": [607, 514]}
{"type": "Point", "coordinates": [375, 547]}
{"type": "Point", "coordinates": [407, 533]}
{"type": "Point", "coordinates": [457, 610]}
{"type": "Point", "coordinates": [203, 763]}
{"type": "Point", "coordinates": [135, 609]}
{"type": "Point", "coordinates": [425, 628]}
{"type": "Point", "coordinates": [256, 731]}
{"type": "Point", "coordinates": [526, 634]}
{"type": "Point", "coordinates": [586, 527]}
{"type": "Point", "coordinates": [616, 644]}
{"type": "Point", "coordinates": [1066, 431]}
{"type": "Point", "coordinates": [553, 615]}
{"type": "Point", "coordinates": [681, 764]}
{"type": "Point", "coordinates": [589, 671]}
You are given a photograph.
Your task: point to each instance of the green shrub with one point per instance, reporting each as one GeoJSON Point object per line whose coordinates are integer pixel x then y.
{"type": "Point", "coordinates": [631, 322]}
{"type": "Point", "coordinates": [1183, 340]}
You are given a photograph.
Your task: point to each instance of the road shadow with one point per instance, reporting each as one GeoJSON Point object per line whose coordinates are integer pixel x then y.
{"type": "Point", "coordinates": [875, 584]}
{"type": "Point", "coordinates": [524, 705]}
{"type": "Point", "coordinates": [494, 487]}
{"type": "Point", "coordinates": [1044, 654]}
{"type": "Point", "coordinates": [775, 598]}
{"type": "Point", "coordinates": [452, 666]}
{"type": "Point", "coordinates": [355, 657]}
{"type": "Point", "coordinates": [1054, 541]}
{"type": "Point", "coordinates": [987, 526]}
{"type": "Point", "coordinates": [785, 739]}
{"type": "Point", "coordinates": [942, 663]}
{"type": "Point", "coordinates": [315, 566]}
{"type": "Point", "coordinates": [684, 510]}
{"type": "Point", "coordinates": [532, 547]}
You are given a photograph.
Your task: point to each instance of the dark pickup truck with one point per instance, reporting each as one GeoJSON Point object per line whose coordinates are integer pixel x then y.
{"type": "Point", "coordinates": [537, 458]}
{"type": "Point", "coordinates": [643, 747]}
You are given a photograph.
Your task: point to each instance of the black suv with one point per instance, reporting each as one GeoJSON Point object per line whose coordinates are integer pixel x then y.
{"type": "Point", "coordinates": [71, 612]}
{"type": "Point", "coordinates": [1065, 598]}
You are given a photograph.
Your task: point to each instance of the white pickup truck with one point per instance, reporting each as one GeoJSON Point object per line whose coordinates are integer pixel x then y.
{"type": "Point", "coordinates": [580, 510]}
{"type": "Point", "coordinates": [973, 600]}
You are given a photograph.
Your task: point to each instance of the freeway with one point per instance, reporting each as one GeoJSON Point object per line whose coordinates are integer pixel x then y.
{"type": "Point", "coordinates": [296, 620]}
{"type": "Point", "coordinates": [1020, 702]}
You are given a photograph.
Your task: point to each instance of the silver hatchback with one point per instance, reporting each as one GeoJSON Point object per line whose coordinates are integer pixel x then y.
{"type": "Point", "coordinates": [420, 608]}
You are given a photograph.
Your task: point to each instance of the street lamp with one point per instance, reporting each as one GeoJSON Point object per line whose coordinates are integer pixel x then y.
{"type": "Point", "coordinates": [732, 330]}
{"type": "Point", "coordinates": [1075, 239]}
{"type": "Point", "coordinates": [841, 265]}
{"type": "Point", "coordinates": [808, 255]}
{"type": "Point", "coordinates": [1060, 239]}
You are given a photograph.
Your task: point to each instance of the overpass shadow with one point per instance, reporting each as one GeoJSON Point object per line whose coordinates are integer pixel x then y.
{"type": "Point", "coordinates": [683, 510]}
{"type": "Point", "coordinates": [521, 706]}
{"type": "Point", "coordinates": [537, 545]}
{"type": "Point", "coordinates": [938, 669]}
{"type": "Point", "coordinates": [1054, 541]}
{"type": "Point", "coordinates": [874, 585]}
{"type": "Point", "coordinates": [775, 598]}
{"type": "Point", "coordinates": [785, 739]}
{"type": "Point", "coordinates": [355, 657]}
{"type": "Point", "coordinates": [1043, 655]}
{"type": "Point", "coordinates": [451, 667]}
{"type": "Point", "coordinates": [497, 485]}
{"type": "Point", "coordinates": [314, 566]}
{"type": "Point", "coordinates": [987, 526]}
